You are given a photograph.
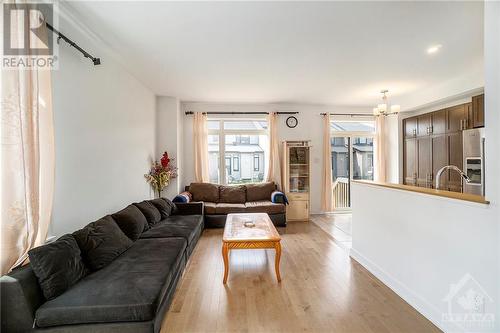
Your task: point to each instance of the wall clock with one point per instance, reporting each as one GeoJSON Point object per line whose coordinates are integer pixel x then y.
{"type": "Point", "coordinates": [292, 122]}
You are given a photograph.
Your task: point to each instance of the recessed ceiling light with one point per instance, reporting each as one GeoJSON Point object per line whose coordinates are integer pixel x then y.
{"type": "Point", "coordinates": [433, 49]}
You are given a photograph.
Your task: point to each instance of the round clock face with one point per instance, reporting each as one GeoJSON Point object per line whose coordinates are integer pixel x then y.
{"type": "Point", "coordinates": [291, 122]}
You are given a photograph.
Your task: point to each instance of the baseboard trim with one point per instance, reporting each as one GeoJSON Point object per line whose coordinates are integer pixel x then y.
{"type": "Point", "coordinates": [413, 299]}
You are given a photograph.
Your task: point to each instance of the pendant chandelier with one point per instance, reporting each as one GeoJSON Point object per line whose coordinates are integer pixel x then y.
{"type": "Point", "coordinates": [385, 108]}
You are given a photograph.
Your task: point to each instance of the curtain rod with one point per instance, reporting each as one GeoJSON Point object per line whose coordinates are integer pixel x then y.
{"type": "Point", "coordinates": [191, 112]}
{"type": "Point", "coordinates": [96, 61]}
{"type": "Point", "coordinates": [349, 114]}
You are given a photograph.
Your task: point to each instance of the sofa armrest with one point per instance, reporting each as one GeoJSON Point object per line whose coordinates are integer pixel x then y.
{"type": "Point", "coordinates": [21, 296]}
{"type": "Point", "coordinates": [189, 208]}
{"type": "Point", "coordinates": [279, 197]}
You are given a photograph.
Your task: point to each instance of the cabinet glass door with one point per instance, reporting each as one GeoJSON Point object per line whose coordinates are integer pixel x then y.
{"type": "Point", "coordinates": [299, 169]}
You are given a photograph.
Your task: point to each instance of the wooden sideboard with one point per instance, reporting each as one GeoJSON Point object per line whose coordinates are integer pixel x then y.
{"type": "Point", "coordinates": [433, 140]}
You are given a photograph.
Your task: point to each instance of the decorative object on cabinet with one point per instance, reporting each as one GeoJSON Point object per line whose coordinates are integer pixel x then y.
{"type": "Point", "coordinates": [297, 179]}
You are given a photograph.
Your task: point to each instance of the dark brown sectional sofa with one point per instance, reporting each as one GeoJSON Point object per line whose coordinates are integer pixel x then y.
{"type": "Point", "coordinates": [220, 200]}
{"type": "Point", "coordinates": [130, 261]}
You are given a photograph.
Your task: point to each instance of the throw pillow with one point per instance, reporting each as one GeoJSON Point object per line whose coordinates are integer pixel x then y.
{"type": "Point", "coordinates": [101, 242]}
{"type": "Point", "coordinates": [164, 206]}
{"type": "Point", "coordinates": [132, 221]}
{"type": "Point", "coordinates": [150, 211]}
{"type": "Point", "coordinates": [57, 265]}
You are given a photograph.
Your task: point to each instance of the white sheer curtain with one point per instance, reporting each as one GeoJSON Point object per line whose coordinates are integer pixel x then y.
{"type": "Point", "coordinates": [27, 160]}
{"type": "Point", "coordinates": [200, 133]}
{"type": "Point", "coordinates": [273, 170]}
{"type": "Point", "coordinates": [380, 175]}
{"type": "Point", "coordinates": [327, 204]}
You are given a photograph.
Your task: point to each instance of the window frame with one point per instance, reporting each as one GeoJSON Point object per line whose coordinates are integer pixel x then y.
{"type": "Point", "coordinates": [236, 163]}
{"type": "Point", "coordinates": [256, 157]}
{"type": "Point", "coordinates": [222, 132]}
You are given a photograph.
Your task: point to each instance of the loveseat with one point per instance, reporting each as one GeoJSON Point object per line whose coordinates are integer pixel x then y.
{"type": "Point", "coordinates": [117, 274]}
{"type": "Point", "coordinates": [220, 200]}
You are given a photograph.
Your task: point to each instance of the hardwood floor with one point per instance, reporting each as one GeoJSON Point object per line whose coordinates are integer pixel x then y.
{"type": "Point", "coordinates": [338, 226]}
{"type": "Point", "coordinates": [322, 290]}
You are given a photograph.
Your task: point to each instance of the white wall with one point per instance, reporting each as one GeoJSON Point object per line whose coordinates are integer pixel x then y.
{"type": "Point", "coordinates": [309, 128]}
{"type": "Point", "coordinates": [104, 135]}
{"type": "Point", "coordinates": [492, 118]}
{"type": "Point", "coordinates": [418, 244]}
{"type": "Point", "coordinates": [169, 137]}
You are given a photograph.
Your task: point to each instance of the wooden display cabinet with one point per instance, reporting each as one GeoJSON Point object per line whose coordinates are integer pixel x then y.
{"type": "Point", "coordinates": [297, 179]}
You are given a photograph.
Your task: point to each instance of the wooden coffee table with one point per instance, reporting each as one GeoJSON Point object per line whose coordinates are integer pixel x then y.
{"type": "Point", "coordinates": [262, 236]}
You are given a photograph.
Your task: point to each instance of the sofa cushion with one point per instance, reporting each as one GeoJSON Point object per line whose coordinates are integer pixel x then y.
{"type": "Point", "coordinates": [57, 265]}
{"type": "Point", "coordinates": [150, 212]}
{"type": "Point", "coordinates": [209, 207]}
{"type": "Point", "coordinates": [186, 226]}
{"type": "Point", "coordinates": [233, 194]}
{"type": "Point", "coordinates": [204, 192]}
{"type": "Point", "coordinates": [129, 289]}
{"type": "Point", "coordinates": [101, 242]}
{"type": "Point", "coordinates": [132, 221]}
{"type": "Point", "coordinates": [226, 208]}
{"type": "Point", "coordinates": [164, 206]}
{"type": "Point", "coordinates": [260, 191]}
{"type": "Point", "coordinates": [264, 206]}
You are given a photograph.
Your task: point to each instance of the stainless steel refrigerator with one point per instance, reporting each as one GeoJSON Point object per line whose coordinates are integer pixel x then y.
{"type": "Point", "coordinates": [473, 150]}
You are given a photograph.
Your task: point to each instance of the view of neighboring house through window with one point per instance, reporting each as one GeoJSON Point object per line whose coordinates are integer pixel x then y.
{"type": "Point", "coordinates": [243, 145]}
{"type": "Point", "coordinates": [352, 156]}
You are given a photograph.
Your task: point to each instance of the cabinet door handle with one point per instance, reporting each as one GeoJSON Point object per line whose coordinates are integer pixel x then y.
{"type": "Point", "coordinates": [432, 129]}
{"type": "Point", "coordinates": [466, 123]}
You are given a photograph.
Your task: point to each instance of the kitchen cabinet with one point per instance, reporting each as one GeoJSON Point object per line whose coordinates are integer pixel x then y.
{"type": "Point", "coordinates": [478, 111]}
{"type": "Point", "coordinates": [439, 157]}
{"type": "Point", "coordinates": [410, 127]}
{"type": "Point", "coordinates": [424, 123]}
{"type": "Point", "coordinates": [434, 139]}
{"type": "Point", "coordinates": [457, 119]}
{"type": "Point", "coordinates": [438, 122]}
{"type": "Point", "coordinates": [424, 160]}
{"type": "Point", "coordinates": [410, 158]}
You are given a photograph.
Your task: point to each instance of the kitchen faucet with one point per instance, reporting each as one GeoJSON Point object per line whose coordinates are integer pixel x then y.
{"type": "Point", "coordinates": [451, 167]}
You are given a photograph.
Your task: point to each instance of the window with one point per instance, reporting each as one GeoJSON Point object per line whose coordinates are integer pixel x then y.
{"type": "Point", "coordinates": [242, 145]}
{"type": "Point", "coordinates": [352, 155]}
{"type": "Point", "coordinates": [256, 163]}
{"type": "Point", "coordinates": [236, 163]}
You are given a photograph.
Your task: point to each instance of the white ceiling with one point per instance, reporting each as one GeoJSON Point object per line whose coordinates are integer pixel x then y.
{"type": "Point", "coordinates": [334, 53]}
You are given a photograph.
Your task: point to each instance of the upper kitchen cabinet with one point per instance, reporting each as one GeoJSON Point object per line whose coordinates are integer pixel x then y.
{"type": "Point", "coordinates": [410, 127]}
{"type": "Point", "coordinates": [438, 122]}
{"type": "Point", "coordinates": [457, 118]}
{"type": "Point", "coordinates": [424, 123]}
{"type": "Point", "coordinates": [477, 111]}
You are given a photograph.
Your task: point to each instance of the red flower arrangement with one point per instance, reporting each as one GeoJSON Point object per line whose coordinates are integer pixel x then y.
{"type": "Point", "coordinates": [161, 173]}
